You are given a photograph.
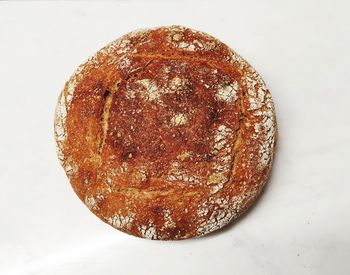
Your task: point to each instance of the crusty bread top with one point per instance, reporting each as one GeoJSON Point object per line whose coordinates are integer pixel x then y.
{"type": "Point", "coordinates": [166, 133]}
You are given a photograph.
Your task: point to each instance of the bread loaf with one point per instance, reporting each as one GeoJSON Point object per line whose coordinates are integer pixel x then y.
{"type": "Point", "coordinates": [166, 133]}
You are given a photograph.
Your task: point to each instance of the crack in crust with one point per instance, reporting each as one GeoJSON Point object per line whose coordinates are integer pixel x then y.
{"type": "Point", "coordinates": [108, 97]}
{"type": "Point", "coordinates": [135, 192]}
{"type": "Point", "coordinates": [211, 63]}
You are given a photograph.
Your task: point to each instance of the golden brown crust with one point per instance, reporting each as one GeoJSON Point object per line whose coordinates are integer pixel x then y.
{"type": "Point", "coordinates": [166, 133]}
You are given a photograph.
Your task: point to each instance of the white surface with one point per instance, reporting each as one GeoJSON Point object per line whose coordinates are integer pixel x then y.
{"type": "Point", "coordinates": [301, 223]}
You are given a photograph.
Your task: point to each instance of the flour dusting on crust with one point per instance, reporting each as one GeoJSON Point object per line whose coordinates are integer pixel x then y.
{"type": "Point", "coordinates": [221, 210]}
{"type": "Point", "coordinates": [120, 221]}
{"type": "Point", "coordinates": [227, 93]}
{"type": "Point", "coordinates": [261, 105]}
{"type": "Point", "coordinates": [148, 231]}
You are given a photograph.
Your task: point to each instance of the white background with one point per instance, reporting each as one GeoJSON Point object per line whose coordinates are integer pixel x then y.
{"type": "Point", "coordinates": [301, 224]}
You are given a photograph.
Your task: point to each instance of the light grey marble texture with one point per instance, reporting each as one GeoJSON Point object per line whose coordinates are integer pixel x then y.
{"type": "Point", "coordinates": [301, 223]}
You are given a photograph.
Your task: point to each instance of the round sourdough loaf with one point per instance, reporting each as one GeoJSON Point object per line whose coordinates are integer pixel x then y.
{"type": "Point", "coordinates": [166, 133]}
